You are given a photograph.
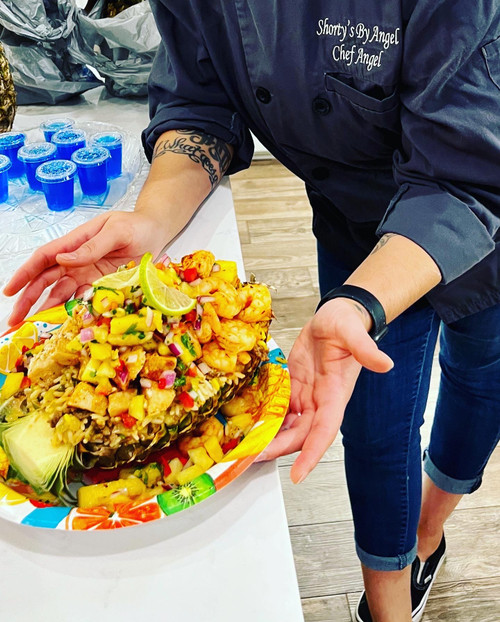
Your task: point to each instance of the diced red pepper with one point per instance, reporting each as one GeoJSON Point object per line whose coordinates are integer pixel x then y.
{"type": "Point", "coordinates": [25, 349]}
{"type": "Point", "coordinates": [191, 372]}
{"type": "Point", "coordinates": [191, 316]}
{"type": "Point", "coordinates": [230, 445]}
{"type": "Point", "coordinates": [190, 274]}
{"type": "Point", "coordinates": [25, 383]}
{"type": "Point", "coordinates": [19, 361]}
{"type": "Point", "coordinates": [128, 420]}
{"type": "Point", "coordinates": [162, 383]}
{"type": "Point", "coordinates": [186, 400]}
{"type": "Point", "coordinates": [104, 320]}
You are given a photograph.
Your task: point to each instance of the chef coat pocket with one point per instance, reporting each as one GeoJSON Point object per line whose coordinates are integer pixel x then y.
{"type": "Point", "coordinates": [491, 54]}
{"type": "Point", "coordinates": [374, 100]}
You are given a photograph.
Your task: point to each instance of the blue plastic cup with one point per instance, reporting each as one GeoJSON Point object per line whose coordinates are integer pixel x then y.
{"type": "Point", "coordinates": [58, 184]}
{"type": "Point", "coordinates": [68, 141]}
{"type": "Point", "coordinates": [113, 141]}
{"type": "Point", "coordinates": [34, 154]}
{"type": "Point", "coordinates": [92, 169]}
{"type": "Point", "coordinates": [51, 126]}
{"type": "Point", "coordinates": [5, 165]}
{"type": "Point", "coordinates": [10, 143]}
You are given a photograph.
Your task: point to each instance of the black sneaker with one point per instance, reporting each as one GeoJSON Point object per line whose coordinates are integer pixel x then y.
{"type": "Point", "coordinates": [422, 578]}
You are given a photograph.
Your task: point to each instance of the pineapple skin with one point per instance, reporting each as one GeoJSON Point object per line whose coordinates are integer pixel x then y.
{"type": "Point", "coordinates": [7, 94]}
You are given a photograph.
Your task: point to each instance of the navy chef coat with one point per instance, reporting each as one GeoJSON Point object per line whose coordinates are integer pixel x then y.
{"type": "Point", "coordinates": [388, 110]}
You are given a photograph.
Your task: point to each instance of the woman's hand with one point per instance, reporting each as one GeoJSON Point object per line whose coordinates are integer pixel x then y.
{"type": "Point", "coordinates": [324, 365]}
{"type": "Point", "coordinates": [72, 263]}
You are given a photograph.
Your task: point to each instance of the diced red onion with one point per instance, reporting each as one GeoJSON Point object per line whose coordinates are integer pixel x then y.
{"type": "Point", "coordinates": [215, 267]}
{"type": "Point", "coordinates": [132, 358]}
{"type": "Point", "coordinates": [197, 323]}
{"type": "Point", "coordinates": [175, 349]}
{"type": "Point", "coordinates": [86, 335]}
{"type": "Point", "coordinates": [105, 303]}
{"type": "Point", "coordinates": [137, 293]}
{"type": "Point", "coordinates": [122, 374]}
{"type": "Point", "coordinates": [87, 294]}
{"type": "Point", "coordinates": [87, 318]}
{"type": "Point", "coordinates": [195, 282]}
{"type": "Point", "coordinates": [193, 394]}
{"type": "Point", "coordinates": [149, 316]}
{"type": "Point", "coordinates": [146, 383]}
{"type": "Point", "coordinates": [122, 349]}
{"type": "Point", "coordinates": [199, 309]}
{"type": "Point", "coordinates": [164, 259]}
{"type": "Point", "coordinates": [169, 376]}
{"type": "Point", "coordinates": [169, 336]}
{"type": "Point", "coordinates": [204, 299]}
{"type": "Point", "coordinates": [204, 368]}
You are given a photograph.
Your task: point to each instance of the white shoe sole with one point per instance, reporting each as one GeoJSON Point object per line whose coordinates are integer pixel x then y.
{"type": "Point", "coordinates": [419, 612]}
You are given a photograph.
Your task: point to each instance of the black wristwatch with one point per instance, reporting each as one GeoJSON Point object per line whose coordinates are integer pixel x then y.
{"type": "Point", "coordinates": [369, 302]}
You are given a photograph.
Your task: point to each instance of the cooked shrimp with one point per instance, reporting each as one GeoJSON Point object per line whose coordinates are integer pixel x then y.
{"type": "Point", "coordinates": [210, 324]}
{"type": "Point", "coordinates": [248, 401]}
{"type": "Point", "coordinates": [203, 261]}
{"type": "Point", "coordinates": [214, 356]}
{"type": "Point", "coordinates": [236, 336]}
{"type": "Point", "coordinates": [226, 301]}
{"type": "Point", "coordinates": [256, 301]}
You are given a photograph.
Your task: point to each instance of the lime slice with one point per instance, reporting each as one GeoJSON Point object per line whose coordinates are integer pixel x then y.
{"type": "Point", "coordinates": [120, 279]}
{"type": "Point", "coordinates": [168, 300]}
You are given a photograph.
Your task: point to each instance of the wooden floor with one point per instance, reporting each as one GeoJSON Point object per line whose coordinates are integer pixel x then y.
{"type": "Point", "coordinates": [274, 221]}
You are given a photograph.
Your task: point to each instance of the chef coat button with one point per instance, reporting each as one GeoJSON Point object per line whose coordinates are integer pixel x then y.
{"type": "Point", "coordinates": [263, 95]}
{"type": "Point", "coordinates": [321, 106]}
{"type": "Point", "coordinates": [320, 173]}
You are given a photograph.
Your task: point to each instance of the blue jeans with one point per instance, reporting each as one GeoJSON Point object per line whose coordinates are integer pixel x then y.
{"type": "Point", "coordinates": [381, 427]}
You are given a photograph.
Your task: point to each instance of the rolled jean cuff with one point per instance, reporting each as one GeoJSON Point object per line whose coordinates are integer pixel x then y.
{"type": "Point", "coordinates": [450, 484]}
{"type": "Point", "coordinates": [375, 562]}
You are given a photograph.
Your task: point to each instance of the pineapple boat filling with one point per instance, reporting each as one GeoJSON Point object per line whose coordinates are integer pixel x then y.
{"type": "Point", "coordinates": [149, 355]}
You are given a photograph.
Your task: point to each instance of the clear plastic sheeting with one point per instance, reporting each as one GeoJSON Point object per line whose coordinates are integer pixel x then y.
{"type": "Point", "coordinates": [36, 35]}
{"type": "Point", "coordinates": [120, 48]}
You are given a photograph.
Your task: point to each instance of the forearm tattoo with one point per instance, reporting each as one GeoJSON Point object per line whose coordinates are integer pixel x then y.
{"type": "Point", "coordinates": [212, 153]}
{"type": "Point", "coordinates": [382, 242]}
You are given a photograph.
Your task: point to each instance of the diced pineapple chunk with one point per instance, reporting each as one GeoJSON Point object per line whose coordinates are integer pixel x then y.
{"type": "Point", "coordinates": [100, 351]}
{"type": "Point", "coordinates": [136, 408]}
{"type": "Point", "coordinates": [200, 457]}
{"type": "Point", "coordinates": [119, 402]}
{"type": "Point", "coordinates": [214, 449]}
{"type": "Point", "coordinates": [189, 474]}
{"type": "Point", "coordinates": [155, 321]}
{"type": "Point", "coordinates": [106, 370]}
{"type": "Point", "coordinates": [110, 493]}
{"type": "Point", "coordinates": [175, 465]}
{"type": "Point", "coordinates": [75, 345]}
{"type": "Point", "coordinates": [89, 373]}
{"type": "Point", "coordinates": [169, 276]}
{"type": "Point", "coordinates": [101, 333]}
{"type": "Point", "coordinates": [106, 299]}
{"type": "Point", "coordinates": [228, 271]}
{"type": "Point", "coordinates": [11, 385]}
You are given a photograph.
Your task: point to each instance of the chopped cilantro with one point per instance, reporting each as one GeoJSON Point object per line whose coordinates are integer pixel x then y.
{"type": "Point", "coordinates": [180, 381]}
{"type": "Point", "coordinates": [130, 308]}
{"type": "Point", "coordinates": [187, 343]}
{"type": "Point", "coordinates": [131, 329]}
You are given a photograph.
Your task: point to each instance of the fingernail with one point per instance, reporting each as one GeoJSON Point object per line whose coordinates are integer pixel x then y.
{"type": "Point", "coordinates": [67, 255]}
{"type": "Point", "coordinates": [261, 457]}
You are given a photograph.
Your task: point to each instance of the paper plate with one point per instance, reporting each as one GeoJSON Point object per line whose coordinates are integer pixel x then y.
{"type": "Point", "coordinates": [274, 385]}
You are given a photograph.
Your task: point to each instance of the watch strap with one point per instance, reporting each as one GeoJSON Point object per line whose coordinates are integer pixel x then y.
{"type": "Point", "coordinates": [369, 302]}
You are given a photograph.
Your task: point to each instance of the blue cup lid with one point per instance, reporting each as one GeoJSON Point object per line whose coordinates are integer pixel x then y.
{"type": "Point", "coordinates": [53, 125]}
{"type": "Point", "coordinates": [68, 137]}
{"type": "Point", "coordinates": [55, 171]}
{"type": "Point", "coordinates": [12, 139]}
{"type": "Point", "coordinates": [107, 139]}
{"type": "Point", "coordinates": [90, 156]}
{"type": "Point", "coordinates": [5, 163]}
{"type": "Point", "coordinates": [36, 152]}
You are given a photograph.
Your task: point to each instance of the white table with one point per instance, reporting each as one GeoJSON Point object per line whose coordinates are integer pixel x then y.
{"type": "Point", "coordinates": [227, 559]}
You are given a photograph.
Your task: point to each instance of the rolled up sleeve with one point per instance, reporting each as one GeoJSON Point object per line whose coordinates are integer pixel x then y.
{"type": "Point", "coordinates": [184, 90]}
{"type": "Point", "coordinates": [448, 167]}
